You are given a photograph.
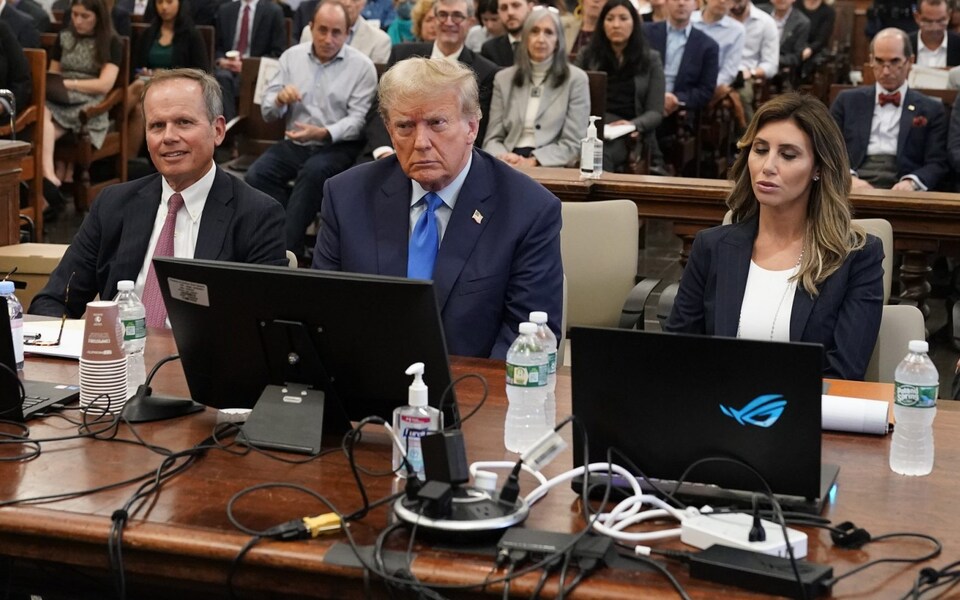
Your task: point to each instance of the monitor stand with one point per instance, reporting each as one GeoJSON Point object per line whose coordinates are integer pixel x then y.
{"type": "Point", "coordinates": [143, 407]}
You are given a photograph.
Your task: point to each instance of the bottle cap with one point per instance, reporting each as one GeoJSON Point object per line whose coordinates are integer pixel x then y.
{"type": "Point", "coordinates": [539, 317]}
{"type": "Point", "coordinates": [6, 287]}
{"type": "Point", "coordinates": [417, 392]}
{"type": "Point", "coordinates": [528, 328]}
{"type": "Point", "coordinates": [918, 346]}
{"type": "Point", "coordinates": [124, 286]}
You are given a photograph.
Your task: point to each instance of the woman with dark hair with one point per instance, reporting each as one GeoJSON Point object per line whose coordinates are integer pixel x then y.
{"type": "Point", "coordinates": [171, 42]}
{"type": "Point", "coordinates": [88, 55]}
{"type": "Point", "coordinates": [541, 104]}
{"type": "Point", "coordinates": [792, 266]}
{"type": "Point", "coordinates": [635, 82]}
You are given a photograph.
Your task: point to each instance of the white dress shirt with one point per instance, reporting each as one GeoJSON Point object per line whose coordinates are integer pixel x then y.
{"type": "Point", "coordinates": [885, 127]}
{"type": "Point", "coordinates": [253, 11]}
{"type": "Point", "coordinates": [761, 48]}
{"type": "Point", "coordinates": [932, 58]}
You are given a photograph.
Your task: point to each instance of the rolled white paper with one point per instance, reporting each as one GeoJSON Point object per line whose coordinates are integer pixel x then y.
{"type": "Point", "coordinates": [856, 415]}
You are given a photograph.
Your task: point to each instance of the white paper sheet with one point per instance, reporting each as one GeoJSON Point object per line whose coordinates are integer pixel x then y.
{"type": "Point", "coordinates": [855, 415]}
{"type": "Point", "coordinates": [70, 344]}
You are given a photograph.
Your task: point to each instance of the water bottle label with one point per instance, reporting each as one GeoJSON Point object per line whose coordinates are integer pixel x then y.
{"type": "Point", "coordinates": [527, 376]}
{"type": "Point", "coordinates": [134, 329]}
{"type": "Point", "coordinates": [916, 396]}
{"type": "Point", "coordinates": [552, 363]}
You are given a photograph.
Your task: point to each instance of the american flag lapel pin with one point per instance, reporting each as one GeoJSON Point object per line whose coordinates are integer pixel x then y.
{"type": "Point", "coordinates": [477, 217]}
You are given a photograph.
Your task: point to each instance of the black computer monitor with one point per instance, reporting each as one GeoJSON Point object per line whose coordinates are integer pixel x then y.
{"type": "Point", "coordinates": [240, 328]}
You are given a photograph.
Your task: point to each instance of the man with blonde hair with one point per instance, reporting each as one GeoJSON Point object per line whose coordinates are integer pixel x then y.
{"type": "Point", "coordinates": [487, 235]}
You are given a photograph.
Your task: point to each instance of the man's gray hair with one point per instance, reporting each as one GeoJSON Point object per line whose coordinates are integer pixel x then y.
{"type": "Point", "coordinates": [212, 96]}
{"type": "Point", "coordinates": [894, 32]}
{"type": "Point", "coordinates": [416, 80]}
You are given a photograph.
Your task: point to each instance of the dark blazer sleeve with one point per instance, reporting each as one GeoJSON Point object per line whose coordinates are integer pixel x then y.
{"type": "Point", "coordinates": [22, 27]}
{"type": "Point", "coordinates": [649, 89]}
{"type": "Point", "coordinates": [194, 50]}
{"type": "Point", "coordinates": [858, 317]}
{"type": "Point", "coordinates": [270, 39]}
{"type": "Point", "coordinates": [696, 292]}
{"type": "Point", "coordinates": [258, 230]}
{"type": "Point", "coordinates": [791, 49]}
{"type": "Point", "coordinates": [821, 27]}
{"type": "Point", "coordinates": [14, 68]}
{"type": "Point", "coordinates": [925, 149]}
{"type": "Point", "coordinates": [699, 79]}
{"type": "Point", "coordinates": [498, 51]}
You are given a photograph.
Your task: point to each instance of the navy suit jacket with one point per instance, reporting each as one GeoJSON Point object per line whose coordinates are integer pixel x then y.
{"type": "Point", "coordinates": [697, 76]}
{"type": "Point", "coordinates": [922, 143]}
{"type": "Point", "coordinates": [239, 224]}
{"type": "Point", "coordinates": [269, 36]}
{"type": "Point", "coordinates": [844, 317]}
{"type": "Point", "coordinates": [22, 25]}
{"type": "Point", "coordinates": [953, 47]}
{"type": "Point", "coordinates": [499, 258]}
{"type": "Point", "coordinates": [499, 51]}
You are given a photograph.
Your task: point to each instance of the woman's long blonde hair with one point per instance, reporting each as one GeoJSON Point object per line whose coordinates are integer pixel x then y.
{"type": "Point", "coordinates": [830, 236]}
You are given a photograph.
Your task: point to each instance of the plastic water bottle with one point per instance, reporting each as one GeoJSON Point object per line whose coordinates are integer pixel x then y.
{"type": "Point", "coordinates": [916, 384]}
{"type": "Point", "coordinates": [549, 343]}
{"type": "Point", "coordinates": [133, 320]}
{"type": "Point", "coordinates": [16, 322]}
{"type": "Point", "coordinates": [527, 376]}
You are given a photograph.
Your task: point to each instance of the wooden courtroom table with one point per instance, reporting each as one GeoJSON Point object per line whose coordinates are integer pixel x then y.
{"type": "Point", "coordinates": [924, 224]}
{"type": "Point", "coordinates": [10, 155]}
{"type": "Point", "coordinates": [184, 543]}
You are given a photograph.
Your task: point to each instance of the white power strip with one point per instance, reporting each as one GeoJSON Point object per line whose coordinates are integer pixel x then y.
{"type": "Point", "coordinates": [733, 530]}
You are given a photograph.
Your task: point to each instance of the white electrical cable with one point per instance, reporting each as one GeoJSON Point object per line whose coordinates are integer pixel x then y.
{"type": "Point", "coordinates": [396, 439]}
{"type": "Point", "coordinates": [504, 464]}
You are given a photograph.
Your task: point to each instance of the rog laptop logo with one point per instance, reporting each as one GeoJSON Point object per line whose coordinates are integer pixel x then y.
{"type": "Point", "coordinates": [762, 411]}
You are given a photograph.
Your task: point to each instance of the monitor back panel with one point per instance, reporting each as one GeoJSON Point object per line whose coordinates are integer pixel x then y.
{"type": "Point", "coordinates": [668, 400]}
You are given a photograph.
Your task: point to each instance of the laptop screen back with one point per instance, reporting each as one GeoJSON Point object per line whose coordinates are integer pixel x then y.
{"type": "Point", "coordinates": [667, 400]}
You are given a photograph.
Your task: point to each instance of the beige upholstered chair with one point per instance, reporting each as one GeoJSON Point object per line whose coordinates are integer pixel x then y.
{"type": "Point", "coordinates": [291, 260]}
{"type": "Point", "coordinates": [900, 324]}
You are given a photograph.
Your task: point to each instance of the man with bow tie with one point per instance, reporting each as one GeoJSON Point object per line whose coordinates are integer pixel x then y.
{"type": "Point", "coordinates": [896, 137]}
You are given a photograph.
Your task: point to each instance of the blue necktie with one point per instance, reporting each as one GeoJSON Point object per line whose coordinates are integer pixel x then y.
{"type": "Point", "coordinates": [424, 241]}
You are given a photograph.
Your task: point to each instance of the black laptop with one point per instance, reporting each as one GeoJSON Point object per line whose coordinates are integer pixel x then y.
{"type": "Point", "coordinates": [40, 395]}
{"type": "Point", "coordinates": [667, 400]}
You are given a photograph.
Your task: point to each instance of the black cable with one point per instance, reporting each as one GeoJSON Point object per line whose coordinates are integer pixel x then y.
{"type": "Point", "coordinates": [657, 566]}
{"type": "Point", "coordinates": [446, 395]}
{"type": "Point", "coordinates": [235, 564]}
{"type": "Point", "coordinates": [938, 547]}
{"type": "Point", "coordinates": [563, 573]}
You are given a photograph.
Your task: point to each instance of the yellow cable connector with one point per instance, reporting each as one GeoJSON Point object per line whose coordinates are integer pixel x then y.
{"type": "Point", "coordinates": [326, 523]}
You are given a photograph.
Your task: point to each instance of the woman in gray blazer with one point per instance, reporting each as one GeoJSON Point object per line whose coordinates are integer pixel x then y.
{"type": "Point", "coordinates": [635, 83]}
{"type": "Point", "coordinates": [540, 105]}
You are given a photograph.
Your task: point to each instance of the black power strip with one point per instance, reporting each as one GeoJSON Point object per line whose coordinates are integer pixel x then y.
{"type": "Point", "coordinates": [759, 572]}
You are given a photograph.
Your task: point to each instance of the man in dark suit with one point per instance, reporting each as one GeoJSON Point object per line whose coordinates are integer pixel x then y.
{"type": "Point", "coordinates": [453, 24]}
{"type": "Point", "coordinates": [500, 50]}
{"type": "Point", "coordinates": [934, 44]}
{"type": "Point", "coordinates": [794, 29]}
{"type": "Point", "coordinates": [249, 28]}
{"type": "Point", "coordinates": [32, 8]}
{"type": "Point", "coordinates": [896, 137]}
{"type": "Point", "coordinates": [192, 207]}
{"type": "Point", "coordinates": [486, 234]}
{"type": "Point", "coordinates": [21, 25]}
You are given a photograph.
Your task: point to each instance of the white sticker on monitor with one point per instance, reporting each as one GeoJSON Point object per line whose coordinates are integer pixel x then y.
{"type": "Point", "coordinates": [189, 291]}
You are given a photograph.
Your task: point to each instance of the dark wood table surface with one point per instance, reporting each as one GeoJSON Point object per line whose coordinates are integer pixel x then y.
{"type": "Point", "coordinates": [183, 543]}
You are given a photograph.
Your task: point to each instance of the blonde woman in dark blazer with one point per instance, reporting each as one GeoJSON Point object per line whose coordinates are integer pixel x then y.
{"type": "Point", "coordinates": [541, 104]}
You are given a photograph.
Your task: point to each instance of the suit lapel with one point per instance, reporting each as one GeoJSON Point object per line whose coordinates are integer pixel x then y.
{"type": "Point", "coordinates": [217, 213]}
{"type": "Point", "coordinates": [463, 231]}
{"type": "Point", "coordinates": [548, 95]}
{"type": "Point", "coordinates": [802, 307]}
{"type": "Point", "coordinates": [258, 18]}
{"type": "Point", "coordinates": [909, 111]}
{"type": "Point", "coordinates": [689, 54]}
{"type": "Point", "coordinates": [230, 27]}
{"type": "Point", "coordinates": [392, 217]}
{"type": "Point", "coordinates": [139, 215]}
{"type": "Point", "coordinates": [733, 266]}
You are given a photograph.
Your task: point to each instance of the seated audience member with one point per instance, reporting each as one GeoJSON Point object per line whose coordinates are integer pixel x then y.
{"type": "Point", "coordinates": [577, 31]}
{"type": "Point", "coordinates": [139, 8]}
{"type": "Point", "coordinates": [361, 35]}
{"type": "Point", "coordinates": [657, 12]}
{"type": "Point", "coordinates": [792, 267]}
{"type": "Point", "coordinates": [761, 49]}
{"type": "Point", "coordinates": [88, 54]}
{"type": "Point", "coordinates": [873, 119]}
{"type": "Point", "coordinates": [729, 35]}
{"type": "Point", "coordinates": [424, 19]}
{"type": "Point", "coordinates": [22, 26]}
{"type": "Point", "coordinates": [486, 234]}
{"type": "Point", "coordinates": [488, 28]}
{"type": "Point", "coordinates": [381, 13]}
{"type": "Point", "coordinates": [541, 105]}
{"type": "Point", "coordinates": [935, 46]}
{"type": "Point", "coordinates": [171, 42]}
{"type": "Point", "coordinates": [248, 28]}
{"type": "Point", "coordinates": [500, 50]}
{"type": "Point", "coordinates": [453, 22]}
{"type": "Point", "coordinates": [793, 28]}
{"type": "Point", "coordinates": [191, 208]}
{"type": "Point", "coordinates": [14, 71]}
{"type": "Point", "coordinates": [323, 90]}
{"type": "Point", "coordinates": [822, 18]}
{"type": "Point", "coordinates": [401, 28]}
{"type": "Point", "coordinates": [635, 83]}
{"type": "Point", "coordinates": [34, 10]}
{"type": "Point", "coordinates": [690, 58]}
{"type": "Point", "coordinates": [204, 12]}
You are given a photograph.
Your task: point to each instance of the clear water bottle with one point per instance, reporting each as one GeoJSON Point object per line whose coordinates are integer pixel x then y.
{"type": "Point", "coordinates": [16, 322]}
{"type": "Point", "coordinates": [549, 343]}
{"type": "Point", "coordinates": [527, 376]}
{"type": "Point", "coordinates": [133, 320]}
{"type": "Point", "coordinates": [916, 384]}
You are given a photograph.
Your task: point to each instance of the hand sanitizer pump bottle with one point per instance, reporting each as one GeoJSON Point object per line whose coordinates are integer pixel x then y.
{"type": "Point", "coordinates": [414, 421]}
{"type": "Point", "coordinates": [591, 153]}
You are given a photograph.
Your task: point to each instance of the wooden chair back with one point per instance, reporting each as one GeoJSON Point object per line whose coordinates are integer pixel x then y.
{"type": "Point", "coordinates": [254, 135]}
